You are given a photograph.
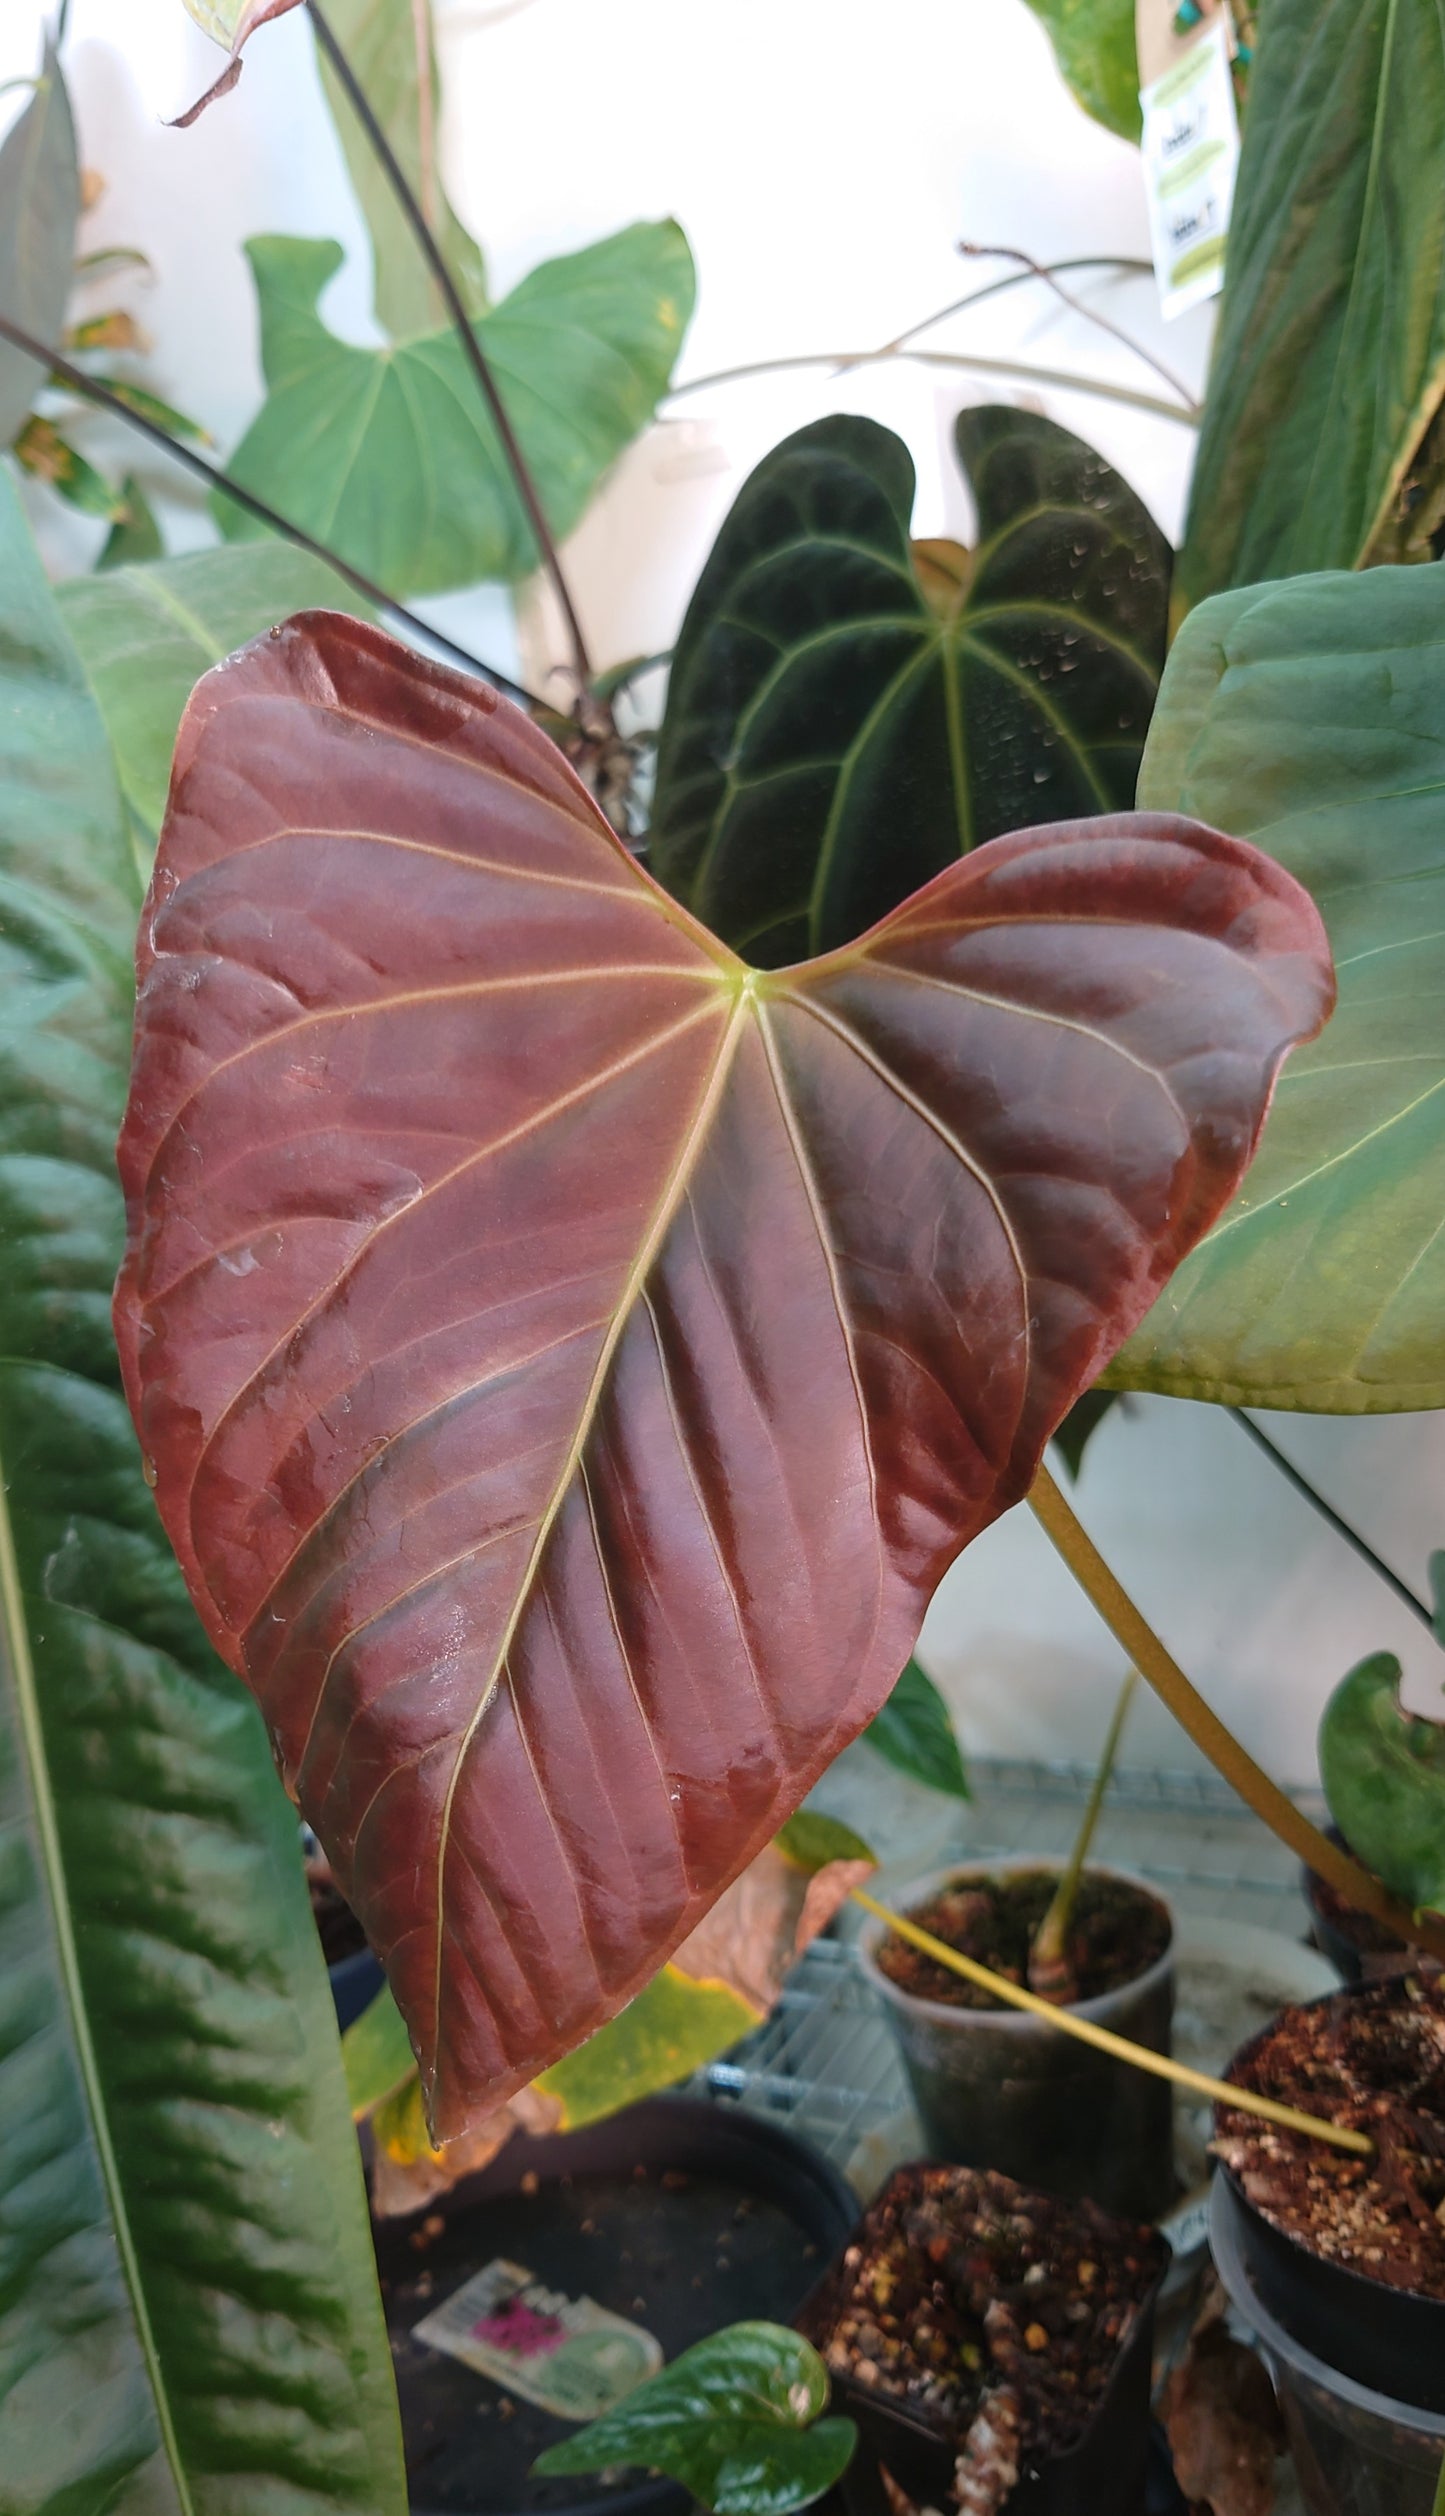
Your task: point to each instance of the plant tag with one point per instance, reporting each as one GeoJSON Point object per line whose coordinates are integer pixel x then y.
{"type": "Point", "coordinates": [1191, 153]}
{"type": "Point", "coordinates": [568, 2355]}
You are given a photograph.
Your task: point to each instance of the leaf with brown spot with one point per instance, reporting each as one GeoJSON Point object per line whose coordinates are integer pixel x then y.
{"type": "Point", "coordinates": [569, 1358]}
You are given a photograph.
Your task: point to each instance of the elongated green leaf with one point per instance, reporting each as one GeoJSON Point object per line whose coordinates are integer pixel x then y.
{"type": "Point", "coordinates": [1330, 360]}
{"type": "Point", "coordinates": [39, 207]}
{"type": "Point", "coordinates": [735, 2419]}
{"type": "Point", "coordinates": [388, 455]}
{"type": "Point", "coordinates": [848, 710]}
{"type": "Point", "coordinates": [1311, 717]}
{"type": "Point", "coordinates": [136, 535]}
{"type": "Point", "coordinates": [188, 2313]}
{"type": "Point", "coordinates": [1383, 1770]}
{"type": "Point", "coordinates": [1081, 1424]}
{"type": "Point", "coordinates": [1093, 41]}
{"type": "Point", "coordinates": [146, 634]}
{"type": "Point", "coordinates": [46, 455]}
{"type": "Point", "coordinates": [392, 50]}
{"type": "Point", "coordinates": [915, 1733]}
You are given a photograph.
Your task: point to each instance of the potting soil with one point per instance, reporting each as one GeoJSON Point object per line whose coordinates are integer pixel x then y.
{"type": "Point", "coordinates": [1118, 1932]}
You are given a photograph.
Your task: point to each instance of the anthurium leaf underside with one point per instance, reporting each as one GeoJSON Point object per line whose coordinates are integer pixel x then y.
{"type": "Point", "coordinates": [389, 455]}
{"type": "Point", "coordinates": [188, 2319]}
{"type": "Point", "coordinates": [39, 207]}
{"type": "Point", "coordinates": [1310, 717]}
{"type": "Point", "coordinates": [849, 710]}
{"type": "Point", "coordinates": [1330, 357]}
{"type": "Point", "coordinates": [1383, 1769]}
{"type": "Point", "coordinates": [569, 1358]}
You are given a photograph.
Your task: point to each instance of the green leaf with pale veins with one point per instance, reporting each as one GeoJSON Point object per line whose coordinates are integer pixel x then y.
{"type": "Point", "coordinates": [1383, 1769]}
{"type": "Point", "coordinates": [915, 1733]}
{"type": "Point", "coordinates": [850, 709]}
{"type": "Point", "coordinates": [389, 457]}
{"type": "Point", "coordinates": [1310, 717]}
{"type": "Point", "coordinates": [1093, 43]}
{"type": "Point", "coordinates": [1329, 361]}
{"type": "Point", "coordinates": [39, 208]}
{"type": "Point", "coordinates": [391, 46]}
{"type": "Point", "coordinates": [146, 634]}
{"type": "Point", "coordinates": [189, 2321]}
{"type": "Point", "coordinates": [735, 2420]}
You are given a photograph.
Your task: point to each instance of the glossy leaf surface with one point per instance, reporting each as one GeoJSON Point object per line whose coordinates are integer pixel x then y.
{"type": "Point", "coordinates": [1330, 357]}
{"type": "Point", "coordinates": [1093, 42]}
{"type": "Point", "coordinates": [849, 709]}
{"type": "Point", "coordinates": [146, 634]}
{"type": "Point", "coordinates": [39, 208]}
{"type": "Point", "coordinates": [915, 1733]}
{"type": "Point", "coordinates": [735, 2419]}
{"type": "Point", "coordinates": [391, 47]}
{"type": "Point", "coordinates": [1311, 717]}
{"type": "Point", "coordinates": [389, 457]}
{"type": "Point", "coordinates": [569, 1358]}
{"type": "Point", "coordinates": [1383, 1769]}
{"type": "Point", "coordinates": [189, 2319]}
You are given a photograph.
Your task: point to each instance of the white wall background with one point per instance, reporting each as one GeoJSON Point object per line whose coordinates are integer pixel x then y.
{"type": "Point", "coordinates": [825, 158]}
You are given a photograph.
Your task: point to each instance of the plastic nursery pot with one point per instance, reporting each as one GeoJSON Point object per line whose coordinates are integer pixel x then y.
{"type": "Point", "coordinates": [677, 2214]}
{"type": "Point", "coordinates": [1000, 2088]}
{"type": "Point", "coordinates": [1359, 1948]}
{"type": "Point", "coordinates": [1357, 2451]}
{"type": "Point", "coordinates": [1113, 2465]}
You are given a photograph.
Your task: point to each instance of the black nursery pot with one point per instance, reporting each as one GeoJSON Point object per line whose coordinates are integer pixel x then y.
{"type": "Point", "coordinates": [1359, 1948]}
{"type": "Point", "coordinates": [1115, 2465]}
{"type": "Point", "coordinates": [679, 2214]}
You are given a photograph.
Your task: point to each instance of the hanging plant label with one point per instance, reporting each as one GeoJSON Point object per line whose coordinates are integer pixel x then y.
{"type": "Point", "coordinates": [568, 2355]}
{"type": "Point", "coordinates": [1191, 153]}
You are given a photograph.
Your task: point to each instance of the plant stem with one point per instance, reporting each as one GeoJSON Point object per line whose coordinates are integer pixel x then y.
{"type": "Point", "coordinates": [1439, 2506]}
{"type": "Point", "coordinates": [1013, 279]}
{"type": "Point", "coordinates": [1327, 1511]}
{"type": "Point", "coordinates": [466, 333]}
{"type": "Point", "coordinates": [1161, 2065]}
{"type": "Point", "coordinates": [1016, 369]}
{"type": "Point", "coordinates": [1208, 1732]}
{"type": "Point", "coordinates": [1090, 314]}
{"type": "Point", "coordinates": [1049, 1969]}
{"type": "Point", "coordinates": [91, 390]}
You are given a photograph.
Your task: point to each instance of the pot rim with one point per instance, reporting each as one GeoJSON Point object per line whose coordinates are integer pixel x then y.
{"type": "Point", "coordinates": [1012, 2021]}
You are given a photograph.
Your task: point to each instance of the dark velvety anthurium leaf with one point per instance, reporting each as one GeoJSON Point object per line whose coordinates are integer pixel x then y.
{"type": "Point", "coordinates": [568, 1357]}
{"type": "Point", "coordinates": [189, 2320]}
{"type": "Point", "coordinates": [1310, 717]}
{"type": "Point", "coordinates": [388, 455]}
{"type": "Point", "coordinates": [914, 1732]}
{"type": "Point", "coordinates": [849, 709]}
{"type": "Point", "coordinates": [1330, 358]}
{"type": "Point", "coordinates": [39, 207]}
{"type": "Point", "coordinates": [1081, 1424]}
{"type": "Point", "coordinates": [1383, 1769]}
{"type": "Point", "coordinates": [734, 2419]}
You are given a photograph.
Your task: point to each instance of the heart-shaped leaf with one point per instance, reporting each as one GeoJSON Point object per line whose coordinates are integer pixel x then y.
{"type": "Point", "coordinates": [734, 2419]}
{"type": "Point", "coordinates": [1310, 716]}
{"type": "Point", "coordinates": [389, 457]}
{"type": "Point", "coordinates": [39, 209]}
{"type": "Point", "coordinates": [849, 709]}
{"type": "Point", "coordinates": [568, 1357]}
{"type": "Point", "coordinates": [1330, 357]}
{"type": "Point", "coordinates": [1383, 1769]}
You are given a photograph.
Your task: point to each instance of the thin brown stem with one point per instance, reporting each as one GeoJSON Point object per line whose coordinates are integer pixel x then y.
{"type": "Point", "coordinates": [1017, 370]}
{"type": "Point", "coordinates": [1048, 274]}
{"type": "Point", "coordinates": [1208, 1732]}
{"type": "Point", "coordinates": [466, 334]}
{"type": "Point", "coordinates": [1014, 279]}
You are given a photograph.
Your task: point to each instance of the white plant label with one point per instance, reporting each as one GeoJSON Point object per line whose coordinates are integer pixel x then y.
{"type": "Point", "coordinates": [1191, 154]}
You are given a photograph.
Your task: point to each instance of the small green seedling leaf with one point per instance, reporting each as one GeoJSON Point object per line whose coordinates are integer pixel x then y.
{"type": "Point", "coordinates": [811, 1842]}
{"type": "Point", "coordinates": [1384, 1778]}
{"type": "Point", "coordinates": [735, 2420]}
{"type": "Point", "coordinates": [915, 1733]}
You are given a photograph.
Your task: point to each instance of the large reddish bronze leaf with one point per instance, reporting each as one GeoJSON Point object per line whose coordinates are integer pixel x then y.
{"type": "Point", "coordinates": [569, 1359]}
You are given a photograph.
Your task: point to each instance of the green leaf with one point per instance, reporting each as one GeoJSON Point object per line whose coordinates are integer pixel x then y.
{"type": "Point", "coordinates": [400, 81]}
{"type": "Point", "coordinates": [146, 635]}
{"type": "Point", "coordinates": [1310, 717]}
{"type": "Point", "coordinates": [734, 2419]}
{"type": "Point", "coordinates": [1437, 1594]}
{"type": "Point", "coordinates": [39, 208]}
{"type": "Point", "coordinates": [915, 1733]}
{"type": "Point", "coordinates": [376, 2054]}
{"type": "Point", "coordinates": [849, 710]}
{"type": "Point", "coordinates": [1093, 41]}
{"type": "Point", "coordinates": [1383, 1770]}
{"type": "Point", "coordinates": [811, 1841]}
{"type": "Point", "coordinates": [47, 456]}
{"type": "Point", "coordinates": [672, 2027]}
{"type": "Point", "coordinates": [136, 536]}
{"type": "Point", "coordinates": [189, 2309]}
{"type": "Point", "coordinates": [388, 455]}
{"type": "Point", "coordinates": [1330, 357]}
{"type": "Point", "coordinates": [1081, 1424]}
